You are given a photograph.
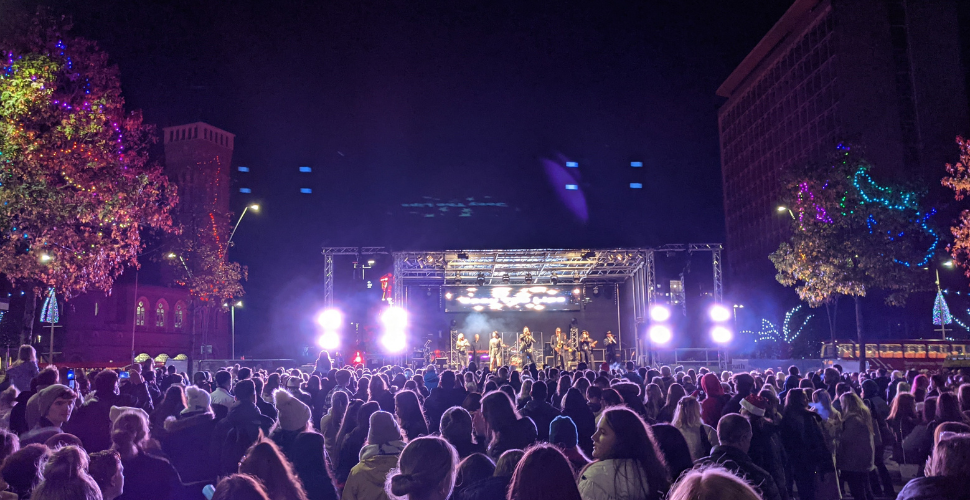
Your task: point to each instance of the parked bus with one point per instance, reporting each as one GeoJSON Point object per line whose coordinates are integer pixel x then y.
{"type": "Point", "coordinates": [900, 354]}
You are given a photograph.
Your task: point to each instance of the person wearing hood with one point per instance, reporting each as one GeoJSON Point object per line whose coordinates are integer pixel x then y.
{"type": "Point", "coordinates": [92, 421]}
{"type": "Point", "coordinates": [714, 401]}
{"type": "Point", "coordinates": [54, 405]}
{"type": "Point", "coordinates": [183, 434]}
{"type": "Point", "coordinates": [234, 434]}
{"type": "Point", "coordinates": [294, 419]}
{"type": "Point", "coordinates": [377, 458]}
{"type": "Point", "coordinates": [431, 377]}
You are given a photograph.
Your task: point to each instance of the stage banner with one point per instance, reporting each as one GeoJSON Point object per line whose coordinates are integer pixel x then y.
{"type": "Point", "coordinates": [501, 298]}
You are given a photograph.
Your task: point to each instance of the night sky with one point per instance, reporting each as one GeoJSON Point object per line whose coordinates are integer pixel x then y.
{"type": "Point", "coordinates": [395, 103]}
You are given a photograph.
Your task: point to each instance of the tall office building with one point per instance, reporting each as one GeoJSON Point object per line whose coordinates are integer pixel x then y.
{"type": "Point", "coordinates": [884, 75]}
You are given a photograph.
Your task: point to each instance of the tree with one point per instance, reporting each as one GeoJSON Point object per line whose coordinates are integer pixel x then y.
{"type": "Point", "coordinates": [77, 187]}
{"type": "Point", "coordinates": [959, 182]}
{"type": "Point", "coordinates": [851, 236]}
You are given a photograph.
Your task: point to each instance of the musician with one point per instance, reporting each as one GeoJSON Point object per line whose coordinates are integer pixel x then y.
{"type": "Point", "coordinates": [462, 345]}
{"type": "Point", "coordinates": [495, 352]}
{"type": "Point", "coordinates": [586, 345]}
{"type": "Point", "coordinates": [526, 342]}
{"type": "Point", "coordinates": [475, 358]}
{"type": "Point", "coordinates": [610, 344]}
{"type": "Point", "coordinates": [560, 345]}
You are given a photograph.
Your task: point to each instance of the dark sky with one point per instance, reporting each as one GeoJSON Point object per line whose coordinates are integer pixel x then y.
{"type": "Point", "coordinates": [393, 101]}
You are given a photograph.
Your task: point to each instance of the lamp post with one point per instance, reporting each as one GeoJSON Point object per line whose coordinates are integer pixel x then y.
{"type": "Point", "coordinates": [232, 316]}
{"type": "Point", "coordinates": [786, 209]}
{"type": "Point", "coordinates": [255, 208]}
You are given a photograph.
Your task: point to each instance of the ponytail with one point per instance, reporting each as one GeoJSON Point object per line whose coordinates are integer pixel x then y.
{"type": "Point", "coordinates": [65, 475]}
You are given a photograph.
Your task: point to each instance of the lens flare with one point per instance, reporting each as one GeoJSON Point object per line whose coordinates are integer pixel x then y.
{"type": "Point", "coordinates": [659, 313]}
{"type": "Point", "coordinates": [660, 334]}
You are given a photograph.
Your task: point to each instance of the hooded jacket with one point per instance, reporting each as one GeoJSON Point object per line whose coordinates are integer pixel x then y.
{"type": "Point", "coordinates": [234, 434]}
{"type": "Point", "coordinates": [91, 423]}
{"type": "Point", "coordinates": [613, 479]}
{"type": "Point", "coordinates": [517, 436]}
{"type": "Point", "coordinates": [366, 480]}
{"type": "Point", "coordinates": [714, 403]}
{"type": "Point", "coordinates": [541, 414]}
{"type": "Point", "coordinates": [738, 462]}
{"type": "Point", "coordinates": [182, 443]}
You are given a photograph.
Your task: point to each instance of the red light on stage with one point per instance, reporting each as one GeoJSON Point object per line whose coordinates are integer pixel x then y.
{"type": "Point", "coordinates": [358, 358]}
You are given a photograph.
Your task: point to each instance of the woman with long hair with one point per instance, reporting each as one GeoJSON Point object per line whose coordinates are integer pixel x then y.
{"type": "Point", "coordinates": [947, 471]}
{"type": "Point", "coordinates": [352, 443]}
{"type": "Point", "coordinates": [146, 476]}
{"type": "Point", "coordinates": [654, 402]}
{"type": "Point", "coordinates": [628, 463]}
{"type": "Point", "coordinates": [903, 419]}
{"type": "Point", "coordinates": [22, 371]}
{"type": "Point", "coordinates": [384, 445]}
{"type": "Point", "coordinates": [543, 473]}
{"type": "Point", "coordinates": [272, 384]}
{"type": "Point", "coordinates": [330, 423]}
{"type": "Point", "coordinates": [673, 447]}
{"type": "Point", "coordinates": [921, 384]}
{"type": "Point", "coordinates": [266, 462]}
{"type": "Point", "coordinates": [426, 471]}
{"type": "Point", "coordinates": [66, 477]}
{"type": "Point", "coordinates": [700, 436]}
{"type": "Point", "coordinates": [574, 406]}
{"type": "Point", "coordinates": [379, 393]}
{"type": "Point", "coordinates": [472, 469]}
{"type": "Point", "coordinates": [525, 394]}
{"type": "Point", "coordinates": [674, 393]}
{"type": "Point", "coordinates": [410, 415]}
{"type": "Point", "coordinates": [505, 428]}
{"type": "Point", "coordinates": [456, 428]}
{"type": "Point", "coordinates": [171, 406]}
{"type": "Point", "coordinates": [309, 463]}
{"type": "Point", "coordinates": [856, 454]}
{"type": "Point", "coordinates": [831, 420]}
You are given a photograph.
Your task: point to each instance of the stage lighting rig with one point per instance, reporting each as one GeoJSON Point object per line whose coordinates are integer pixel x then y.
{"type": "Point", "coordinates": [555, 279]}
{"type": "Point", "coordinates": [506, 278]}
{"type": "Point", "coordinates": [660, 334]}
{"type": "Point", "coordinates": [462, 256]}
{"type": "Point", "coordinates": [589, 255]}
{"type": "Point", "coordinates": [480, 279]}
{"type": "Point", "coordinates": [528, 278]}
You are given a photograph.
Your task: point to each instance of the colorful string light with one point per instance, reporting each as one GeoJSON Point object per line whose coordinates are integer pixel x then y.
{"type": "Point", "coordinates": [48, 311]}
{"type": "Point", "coordinates": [769, 332]}
{"type": "Point", "coordinates": [941, 313]}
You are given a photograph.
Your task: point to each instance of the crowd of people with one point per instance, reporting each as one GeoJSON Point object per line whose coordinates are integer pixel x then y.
{"type": "Point", "coordinates": [593, 433]}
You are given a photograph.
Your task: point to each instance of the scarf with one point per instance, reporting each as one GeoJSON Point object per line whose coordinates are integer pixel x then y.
{"type": "Point", "coordinates": [390, 448]}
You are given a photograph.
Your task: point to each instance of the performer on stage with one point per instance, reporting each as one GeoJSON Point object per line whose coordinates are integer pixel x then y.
{"type": "Point", "coordinates": [586, 345]}
{"type": "Point", "coordinates": [462, 345]}
{"type": "Point", "coordinates": [526, 341]}
{"type": "Point", "coordinates": [560, 344]}
{"type": "Point", "coordinates": [495, 352]}
{"type": "Point", "coordinates": [475, 358]}
{"type": "Point", "coordinates": [610, 344]}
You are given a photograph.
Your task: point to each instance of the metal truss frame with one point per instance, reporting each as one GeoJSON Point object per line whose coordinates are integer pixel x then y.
{"type": "Point", "coordinates": [328, 255]}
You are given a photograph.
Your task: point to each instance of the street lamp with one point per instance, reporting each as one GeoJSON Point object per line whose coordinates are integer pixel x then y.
{"type": "Point", "coordinates": [172, 255]}
{"type": "Point", "coordinates": [786, 209]}
{"type": "Point", "coordinates": [255, 208]}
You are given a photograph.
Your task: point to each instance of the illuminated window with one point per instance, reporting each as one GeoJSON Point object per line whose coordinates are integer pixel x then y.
{"type": "Point", "coordinates": [140, 313]}
{"type": "Point", "coordinates": [179, 314]}
{"type": "Point", "coordinates": [304, 169]}
{"type": "Point", "coordinates": [306, 190]}
{"type": "Point", "coordinates": [243, 169]}
{"type": "Point", "coordinates": [636, 185]}
{"type": "Point", "coordinates": [245, 190]}
{"type": "Point", "coordinates": [636, 164]}
{"type": "Point", "coordinates": [572, 164]}
{"type": "Point", "coordinates": [572, 187]}
{"type": "Point", "coordinates": [160, 314]}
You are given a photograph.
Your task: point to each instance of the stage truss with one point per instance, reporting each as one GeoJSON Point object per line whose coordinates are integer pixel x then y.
{"type": "Point", "coordinates": [539, 266]}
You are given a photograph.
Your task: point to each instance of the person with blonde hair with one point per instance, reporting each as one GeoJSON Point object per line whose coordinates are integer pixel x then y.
{"type": "Point", "coordinates": [700, 436]}
{"type": "Point", "coordinates": [66, 477]}
{"type": "Point", "coordinates": [711, 483]}
{"type": "Point", "coordinates": [856, 454]}
{"type": "Point", "coordinates": [947, 471]}
{"type": "Point", "coordinates": [22, 371]}
{"type": "Point", "coordinates": [265, 462]}
{"type": "Point", "coordinates": [426, 471]}
{"type": "Point", "coordinates": [146, 476]}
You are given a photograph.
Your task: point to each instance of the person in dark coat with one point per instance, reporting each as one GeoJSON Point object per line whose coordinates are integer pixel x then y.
{"type": "Point", "coordinates": [674, 448]}
{"type": "Point", "coordinates": [507, 429]}
{"type": "Point", "coordinates": [379, 393]}
{"type": "Point", "coordinates": [187, 435]}
{"type": "Point", "coordinates": [766, 449]}
{"type": "Point", "coordinates": [234, 434]}
{"type": "Point", "coordinates": [496, 486]}
{"type": "Point", "coordinates": [309, 463]}
{"type": "Point", "coordinates": [947, 472]}
{"type": "Point", "coordinates": [801, 434]}
{"type": "Point", "coordinates": [734, 435]}
{"type": "Point", "coordinates": [267, 408]}
{"type": "Point", "coordinates": [456, 428]}
{"type": "Point", "coordinates": [743, 384]}
{"type": "Point", "coordinates": [540, 411]}
{"type": "Point", "coordinates": [19, 422]}
{"type": "Point", "coordinates": [446, 395]}
{"type": "Point", "coordinates": [136, 389]}
{"type": "Point", "coordinates": [574, 406]}
{"type": "Point", "coordinates": [92, 422]}
{"type": "Point", "coordinates": [147, 477]}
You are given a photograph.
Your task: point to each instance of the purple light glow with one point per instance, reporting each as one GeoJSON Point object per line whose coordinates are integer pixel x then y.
{"type": "Point", "coordinates": [820, 213]}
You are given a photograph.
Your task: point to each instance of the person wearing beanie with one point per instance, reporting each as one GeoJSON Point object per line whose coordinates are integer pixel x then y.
{"type": "Point", "coordinates": [377, 458]}
{"type": "Point", "coordinates": [294, 385]}
{"type": "Point", "coordinates": [294, 418]}
{"type": "Point", "coordinates": [53, 406]}
{"type": "Point", "coordinates": [563, 434]}
{"type": "Point", "coordinates": [183, 435]}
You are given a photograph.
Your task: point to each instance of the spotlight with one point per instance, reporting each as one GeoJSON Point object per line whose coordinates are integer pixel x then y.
{"type": "Point", "coordinates": [659, 313]}
{"type": "Point", "coordinates": [45, 257]}
{"type": "Point", "coordinates": [660, 334]}
{"type": "Point", "coordinates": [394, 341]}
{"type": "Point", "coordinates": [596, 290]}
{"type": "Point", "coordinates": [358, 358]}
{"type": "Point", "coordinates": [721, 334]}
{"type": "Point", "coordinates": [589, 255]}
{"type": "Point", "coordinates": [555, 279]}
{"type": "Point", "coordinates": [480, 279]}
{"type": "Point", "coordinates": [330, 319]}
{"type": "Point", "coordinates": [528, 278]}
{"type": "Point", "coordinates": [329, 341]}
{"type": "Point", "coordinates": [457, 278]}
{"type": "Point", "coordinates": [506, 278]}
{"type": "Point", "coordinates": [719, 313]}
{"type": "Point", "coordinates": [395, 319]}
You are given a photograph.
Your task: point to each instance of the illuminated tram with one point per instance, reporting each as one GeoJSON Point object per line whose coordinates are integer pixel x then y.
{"type": "Point", "coordinates": [900, 354]}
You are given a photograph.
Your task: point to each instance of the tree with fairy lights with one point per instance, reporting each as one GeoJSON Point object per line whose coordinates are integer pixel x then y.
{"type": "Point", "coordinates": [770, 339]}
{"type": "Point", "coordinates": [851, 236]}
{"type": "Point", "coordinates": [76, 184]}
{"type": "Point", "coordinates": [959, 182]}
